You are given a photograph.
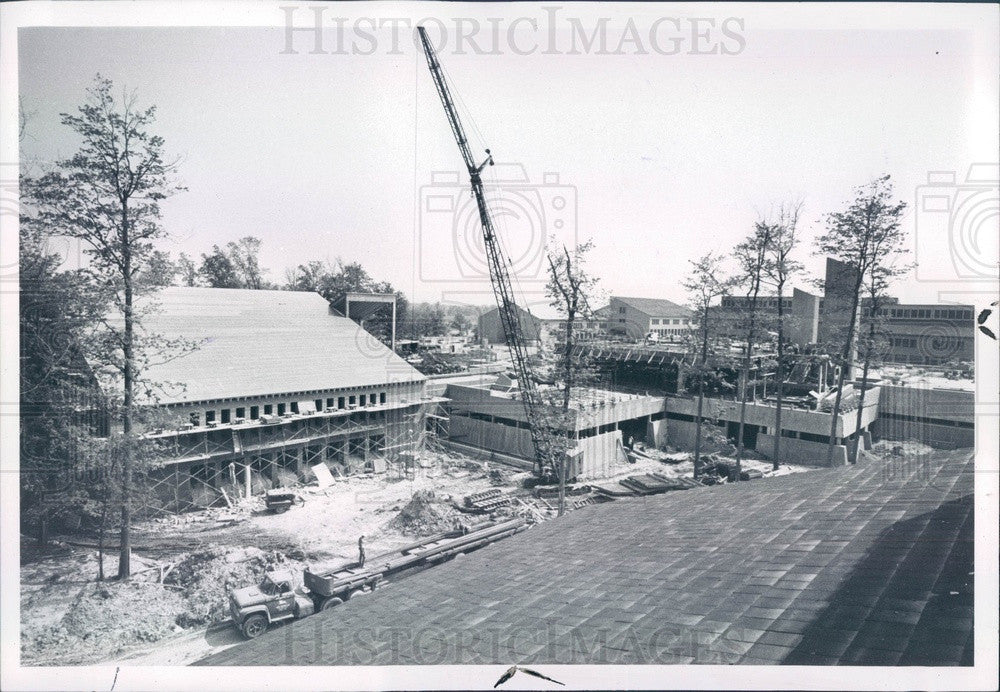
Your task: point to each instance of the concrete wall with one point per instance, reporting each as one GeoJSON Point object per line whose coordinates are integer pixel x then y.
{"type": "Point", "coordinates": [802, 452]}
{"type": "Point", "coordinates": [600, 456]}
{"type": "Point", "coordinates": [616, 407]}
{"type": "Point", "coordinates": [801, 420]}
{"type": "Point", "coordinates": [596, 456]}
{"type": "Point", "coordinates": [803, 328]}
{"type": "Point", "coordinates": [502, 438]}
{"type": "Point", "coordinates": [937, 417]}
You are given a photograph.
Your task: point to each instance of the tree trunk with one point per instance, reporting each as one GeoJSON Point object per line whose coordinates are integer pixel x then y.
{"type": "Point", "coordinates": [745, 379]}
{"type": "Point", "coordinates": [847, 364]}
{"type": "Point", "coordinates": [864, 383]}
{"type": "Point", "coordinates": [701, 398]}
{"type": "Point", "coordinates": [568, 374]}
{"type": "Point", "coordinates": [125, 550]}
{"type": "Point", "coordinates": [776, 458]}
{"type": "Point", "coordinates": [100, 539]}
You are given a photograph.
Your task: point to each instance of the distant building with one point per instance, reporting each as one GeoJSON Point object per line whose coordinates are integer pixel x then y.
{"type": "Point", "coordinates": [491, 327]}
{"type": "Point", "coordinates": [637, 318]}
{"type": "Point", "coordinates": [922, 334]}
{"type": "Point", "coordinates": [928, 333]}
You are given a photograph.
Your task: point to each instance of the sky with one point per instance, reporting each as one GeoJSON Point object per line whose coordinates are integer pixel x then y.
{"type": "Point", "coordinates": [656, 157]}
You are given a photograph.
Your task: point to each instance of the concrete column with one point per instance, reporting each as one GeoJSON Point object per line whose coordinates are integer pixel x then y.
{"type": "Point", "coordinates": [246, 480]}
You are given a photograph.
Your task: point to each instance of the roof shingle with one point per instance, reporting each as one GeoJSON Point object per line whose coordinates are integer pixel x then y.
{"type": "Point", "coordinates": [855, 566]}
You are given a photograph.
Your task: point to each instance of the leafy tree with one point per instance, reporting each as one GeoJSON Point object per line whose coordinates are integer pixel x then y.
{"type": "Point", "coordinates": [219, 271]}
{"type": "Point", "coordinates": [753, 260]}
{"type": "Point", "coordinates": [187, 270]}
{"type": "Point", "coordinates": [865, 236]}
{"type": "Point", "coordinates": [58, 407]}
{"type": "Point", "coordinates": [873, 343]}
{"type": "Point", "coordinates": [244, 254]}
{"type": "Point", "coordinates": [333, 280]}
{"type": "Point", "coordinates": [570, 288]}
{"type": "Point", "coordinates": [779, 268]}
{"type": "Point", "coordinates": [704, 285]}
{"type": "Point", "coordinates": [461, 322]}
{"type": "Point", "coordinates": [108, 196]}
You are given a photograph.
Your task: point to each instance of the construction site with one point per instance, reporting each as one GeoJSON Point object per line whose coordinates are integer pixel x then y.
{"type": "Point", "coordinates": [303, 466]}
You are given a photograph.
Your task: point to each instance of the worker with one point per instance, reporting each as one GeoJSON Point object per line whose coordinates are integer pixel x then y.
{"type": "Point", "coordinates": [631, 442]}
{"type": "Point", "coordinates": [361, 551]}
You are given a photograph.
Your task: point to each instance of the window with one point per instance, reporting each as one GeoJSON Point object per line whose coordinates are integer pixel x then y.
{"type": "Point", "coordinates": [254, 412]}
{"type": "Point", "coordinates": [281, 409]}
{"type": "Point", "coordinates": [295, 407]}
{"type": "Point", "coordinates": [268, 409]}
{"type": "Point", "coordinates": [319, 404]}
{"type": "Point", "coordinates": [621, 310]}
{"type": "Point", "coordinates": [361, 400]}
{"type": "Point", "coordinates": [225, 416]}
{"type": "Point", "coordinates": [241, 412]}
{"type": "Point", "coordinates": [209, 417]}
{"type": "Point", "coordinates": [329, 402]}
{"type": "Point", "coordinates": [195, 418]}
{"type": "Point", "coordinates": [381, 398]}
{"type": "Point", "coordinates": [340, 402]}
{"type": "Point", "coordinates": [352, 400]}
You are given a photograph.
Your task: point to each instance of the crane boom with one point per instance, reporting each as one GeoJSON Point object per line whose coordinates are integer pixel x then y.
{"type": "Point", "coordinates": [499, 274]}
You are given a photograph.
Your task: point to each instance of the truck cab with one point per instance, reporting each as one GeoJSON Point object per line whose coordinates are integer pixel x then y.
{"type": "Point", "coordinates": [255, 607]}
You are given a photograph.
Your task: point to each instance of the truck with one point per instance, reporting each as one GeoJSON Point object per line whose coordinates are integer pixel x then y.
{"type": "Point", "coordinates": [278, 599]}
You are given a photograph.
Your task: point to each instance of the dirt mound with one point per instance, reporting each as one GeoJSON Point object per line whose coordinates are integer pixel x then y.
{"type": "Point", "coordinates": [106, 618]}
{"type": "Point", "coordinates": [207, 575]}
{"type": "Point", "coordinates": [423, 515]}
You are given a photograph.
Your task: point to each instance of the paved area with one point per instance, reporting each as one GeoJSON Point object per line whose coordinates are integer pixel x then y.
{"type": "Point", "coordinates": [864, 565]}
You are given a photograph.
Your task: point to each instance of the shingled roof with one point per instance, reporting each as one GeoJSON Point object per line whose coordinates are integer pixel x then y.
{"type": "Point", "coordinates": [252, 343]}
{"type": "Point", "coordinates": [864, 565]}
{"type": "Point", "coordinates": [655, 307]}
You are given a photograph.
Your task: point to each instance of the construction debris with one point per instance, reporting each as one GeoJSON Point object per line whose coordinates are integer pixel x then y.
{"type": "Point", "coordinates": [424, 515]}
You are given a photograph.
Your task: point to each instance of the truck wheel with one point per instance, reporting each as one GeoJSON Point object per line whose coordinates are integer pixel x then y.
{"type": "Point", "coordinates": [356, 593]}
{"type": "Point", "coordinates": [330, 602]}
{"type": "Point", "coordinates": [254, 626]}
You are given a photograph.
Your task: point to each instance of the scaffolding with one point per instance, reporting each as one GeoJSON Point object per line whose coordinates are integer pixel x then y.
{"type": "Point", "coordinates": [203, 467]}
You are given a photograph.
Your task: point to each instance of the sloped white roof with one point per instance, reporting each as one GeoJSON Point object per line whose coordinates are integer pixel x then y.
{"type": "Point", "coordinates": [255, 343]}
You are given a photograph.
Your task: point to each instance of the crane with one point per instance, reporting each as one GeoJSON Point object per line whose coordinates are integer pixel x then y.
{"type": "Point", "coordinates": [499, 274]}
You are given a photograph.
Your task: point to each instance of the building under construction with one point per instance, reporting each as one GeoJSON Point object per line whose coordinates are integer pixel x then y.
{"type": "Point", "coordinates": [274, 385]}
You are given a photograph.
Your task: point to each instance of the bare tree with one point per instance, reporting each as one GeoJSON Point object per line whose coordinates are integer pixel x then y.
{"type": "Point", "coordinates": [108, 196]}
{"type": "Point", "coordinates": [779, 268]}
{"type": "Point", "coordinates": [753, 260]}
{"type": "Point", "coordinates": [704, 284]}
{"type": "Point", "coordinates": [858, 236]}
{"type": "Point", "coordinates": [570, 288]}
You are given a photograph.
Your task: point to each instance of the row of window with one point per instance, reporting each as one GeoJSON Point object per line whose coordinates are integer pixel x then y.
{"type": "Point", "coordinates": [926, 313]}
{"type": "Point", "coordinates": [668, 320]}
{"type": "Point", "coordinates": [240, 413]}
{"type": "Point", "coordinates": [763, 302]}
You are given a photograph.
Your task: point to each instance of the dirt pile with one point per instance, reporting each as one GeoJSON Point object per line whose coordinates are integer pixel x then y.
{"type": "Point", "coordinates": [423, 515]}
{"type": "Point", "coordinates": [106, 618]}
{"type": "Point", "coordinates": [207, 575]}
